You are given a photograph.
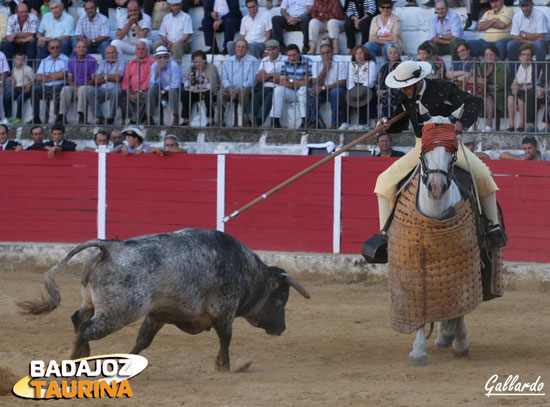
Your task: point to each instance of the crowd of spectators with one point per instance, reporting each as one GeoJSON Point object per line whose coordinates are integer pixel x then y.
{"type": "Point", "coordinates": [142, 75]}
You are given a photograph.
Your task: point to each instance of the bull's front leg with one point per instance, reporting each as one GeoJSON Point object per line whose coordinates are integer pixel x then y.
{"type": "Point", "coordinates": [418, 355]}
{"type": "Point", "coordinates": [224, 331]}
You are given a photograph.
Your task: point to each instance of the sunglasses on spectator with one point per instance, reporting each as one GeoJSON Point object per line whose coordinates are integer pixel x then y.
{"type": "Point", "coordinates": [386, 7]}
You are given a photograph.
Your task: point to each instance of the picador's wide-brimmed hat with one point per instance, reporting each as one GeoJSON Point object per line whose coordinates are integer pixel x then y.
{"type": "Point", "coordinates": [408, 73]}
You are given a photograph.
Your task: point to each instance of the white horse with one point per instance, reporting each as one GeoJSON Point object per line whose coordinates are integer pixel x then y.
{"type": "Point", "coordinates": [437, 193]}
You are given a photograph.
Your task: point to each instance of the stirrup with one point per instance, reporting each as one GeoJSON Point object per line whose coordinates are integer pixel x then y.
{"type": "Point", "coordinates": [496, 237]}
{"type": "Point", "coordinates": [375, 250]}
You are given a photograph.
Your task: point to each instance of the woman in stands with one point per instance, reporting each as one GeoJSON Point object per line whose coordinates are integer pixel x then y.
{"type": "Point", "coordinates": [202, 82]}
{"type": "Point", "coordinates": [385, 30]}
{"type": "Point", "coordinates": [493, 70]}
{"type": "Point", "coordinates": [462, 70]}
{"type": "Point", "coordinates": [385, 94]}
{"type": "Point", "coordinates": [523, 91]}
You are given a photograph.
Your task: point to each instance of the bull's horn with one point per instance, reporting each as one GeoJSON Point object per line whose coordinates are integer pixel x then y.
{"type": "Point", "coordinates": [291, 281]}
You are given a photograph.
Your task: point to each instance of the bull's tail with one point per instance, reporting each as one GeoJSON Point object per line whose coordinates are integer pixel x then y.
{"type": "Point", "coordinates": [52, 299]}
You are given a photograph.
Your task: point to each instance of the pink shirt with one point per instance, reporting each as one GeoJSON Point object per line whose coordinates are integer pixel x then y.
{"type": "Point", "coordinates": [138, 72]}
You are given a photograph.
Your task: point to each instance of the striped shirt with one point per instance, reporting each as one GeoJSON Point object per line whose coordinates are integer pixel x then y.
{"type": "Point", "coordinates": [174, 28]}
{"type": "Point", "coordinates": [359, 8]}
{"type": "Point", "coordinates": [98, 27]}
{"type": "Point", "coordinates": [297, 71]}
{"type": "Point", "coordinates": [30, 25]}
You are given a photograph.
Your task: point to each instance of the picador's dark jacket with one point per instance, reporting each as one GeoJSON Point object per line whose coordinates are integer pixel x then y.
{"type": "Point", "coordinates": [441, 97]}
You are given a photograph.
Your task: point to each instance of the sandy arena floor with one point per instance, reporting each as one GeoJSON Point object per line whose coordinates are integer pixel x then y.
{"type": "Point", "coordinates": [338, 350]}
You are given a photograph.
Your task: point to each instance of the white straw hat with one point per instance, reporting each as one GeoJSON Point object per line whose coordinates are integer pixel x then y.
{"type": "Point", "coordinates": [408, 73]}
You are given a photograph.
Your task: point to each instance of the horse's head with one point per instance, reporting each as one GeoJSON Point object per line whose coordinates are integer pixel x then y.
{"type": "Point", "coordinates": [439, 147]}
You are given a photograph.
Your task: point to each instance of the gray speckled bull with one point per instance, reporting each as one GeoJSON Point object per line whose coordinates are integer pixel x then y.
{"type": "Point", "coordinates": [195, 279]}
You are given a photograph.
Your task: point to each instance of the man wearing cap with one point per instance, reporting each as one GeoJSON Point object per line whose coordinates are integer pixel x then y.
{"type": "Point", "coordinates": [134, 138]}
{"type": "Point", "coordinates": [437, 97]}
{"type": "Point", "coordinates": [237, 80]}
{"type": "Point", "coordinates": [528, 27]}
{"type": "Point", "coordinates": [329, 85]}
{"type": "Point", "coordinates": [295, 16]}
{"type": "Point", "coordinates": [294, 79]}
{"type": "Point", "coordinates": [384, 143]}
{"type": "Point", "coordinates": [255, 29]}
{"type": "Point", "coordinates": [93, 29]}
{"type": "Point", "coordinates": [135, 85]}
{"type": "Point", "coordinates": [267, 79]}
{"type": "Point", "coordinates": [107, 86]}
{"type": "Point", "coordinates": [133, 28]}
{"type": "Point", "coordinates": [164, 83]}
{"type": "Point", "coordinates": [531, 151]}
{"type": "Point", "coordinates": [497, 24]}
{"type": "Point", "coordinates": [175, 31]}
{"type": "Point", "coordinates": [446, 29]}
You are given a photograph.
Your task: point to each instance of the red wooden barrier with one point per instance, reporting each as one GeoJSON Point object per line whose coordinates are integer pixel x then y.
{"type": "Point", "coordinates": [48, 200]}
{"type": "Point", "coordinates": [55, 200]}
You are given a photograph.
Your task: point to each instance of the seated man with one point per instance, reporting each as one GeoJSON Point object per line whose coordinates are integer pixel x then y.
{"type": "Point", "coordinates": [57, 25]}
{"type": "Point", "coordinates": [268, 77]}
{"type": "Point", "coordinates": [497, 24]}
{"type": "Point", "coordinates": [107, 86]}
{"type": "Point", "coordinates": [80, 69]}
{"type": "Point", "coordinates": [132, 29]}
{"type": "Point", "coordinates": [384, 143]}
{"type": "Point", "coordinates": [49, 80]}
{"type": "Point", "coordinates": [164, 84]}
{"type": "Point", "coordinates": [37, 138]}
{"type": "Point", "coordinates": [134, 138]}
{"type": "Point", "coordinates": [417, 94]}
{"type": "Point", "coordinates": [239, 71]}
{"type": "Point", "coordinates": [531, 151]}
{"type": "Point", "coordinates": [445, 29]}
{"type": "Point", "coordinates": [58, 142]}
{"type": "Point", "coordinates": [530, 26]}
{"type": "Point", "coordinates": [171, 146]}
{"type": "Point", "coordinates": [328, 85]}
{"type": "Point", "coordinates": [5, 142]}
{"type": "Point", "coordinates": [135, 85]}
{"type": "Point", "coordinates": [295, 16]}
{"type": "Point", "coordinates": [21, 34]}
{"type": "Point", "coordinates": [294, 79]}
{"type": "Point", "coordinates": [220, 15]}
{"type": "Point", "coordinates": [93, 29]}
{"type": "Point", "coordinates": [175, 31]}
{"type": "Point", "coordinates": [255, 29]}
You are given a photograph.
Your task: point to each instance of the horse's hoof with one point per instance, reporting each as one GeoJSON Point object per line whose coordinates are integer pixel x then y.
{"type": "Point", "coordinates": [461, 353]}
{"type": "Point", "coordinates": [444, 343]}
{"type": "Point", "coordinates": [418, 361]}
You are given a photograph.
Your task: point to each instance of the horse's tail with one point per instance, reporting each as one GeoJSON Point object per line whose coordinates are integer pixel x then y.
{"type": "Point", "coordinates": [52, 299]}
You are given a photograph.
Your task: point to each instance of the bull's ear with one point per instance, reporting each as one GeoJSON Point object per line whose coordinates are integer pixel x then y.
{"type": "Point", "coordinates": [276, 284]}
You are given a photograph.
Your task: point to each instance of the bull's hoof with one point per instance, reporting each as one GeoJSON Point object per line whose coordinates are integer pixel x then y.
{"type": "Point", "coordinates": [418, 361]}
{"type": "Point", "coordinates": [461, 353]}
{"type": "Point", "coordinates": [221, 367]}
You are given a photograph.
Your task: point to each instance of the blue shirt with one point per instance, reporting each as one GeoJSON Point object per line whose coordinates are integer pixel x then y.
{"type": "Point", "coordinates": [106, 68]}
{"type": "Point", "coordinates": [297, 71]}
{"type": "Point", "coordinates": [451, 25]}
{"type": "Point", "coordinates": [239, 74]}
{"type": "Point", "coordinates": [51, 27]}
{"type": "Point", "coordinates": [48, 65]}
{"type": "Point", "coordinates": [169, 78]}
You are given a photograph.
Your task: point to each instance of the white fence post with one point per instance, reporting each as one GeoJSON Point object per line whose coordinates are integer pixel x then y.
{"type": "Point", "coordinates": [337, 223]}
{"type": "Point", "coordinates": [101, 191]}
{"type": "Point", "coordinates": [220, 194]}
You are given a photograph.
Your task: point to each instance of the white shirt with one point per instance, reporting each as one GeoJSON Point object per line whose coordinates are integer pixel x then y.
{"type": "Point", "coordinates": [144, 24]}
{"type": "Point", "coordinates": [254, 30]}
{"type": "Point", "coordinates": [537, 24]}
{"type": "Point", "coordinates": [270, 67]}
{"type": "Point", "coordinates": [365, 75]}
{"type": "Point", "coordinates": [338, 71]}
{"type": "Point", "coordinates": [524, 76]}
{"type": "Point", "coordinates": [295, 8]}
{"type": "Point", "coordinates": [221, 7]}
{"type": "Point", "coordinates": [174, 28]}
{"type": "Point", "coordinates": [4, 67]}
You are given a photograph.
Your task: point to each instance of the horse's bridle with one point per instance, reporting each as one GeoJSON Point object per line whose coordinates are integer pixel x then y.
{"type": "Point", "coordinates": [427, 171]}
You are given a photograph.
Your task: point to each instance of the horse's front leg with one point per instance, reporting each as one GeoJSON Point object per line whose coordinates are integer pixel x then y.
{"type": "Point", "coordinates": [445, 334]}
{"type": "Point", "coordinates": [418, 355]}
{"type": "Point", "coordinates": [461, 345]}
